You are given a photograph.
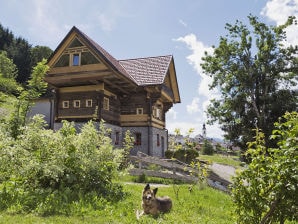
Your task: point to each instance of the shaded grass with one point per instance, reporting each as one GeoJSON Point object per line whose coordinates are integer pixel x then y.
{"type": "Point", "coordinates": [198, 206]}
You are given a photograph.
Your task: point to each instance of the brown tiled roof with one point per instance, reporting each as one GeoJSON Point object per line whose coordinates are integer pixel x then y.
{"type": "Point", "coordinates": [147, 71]}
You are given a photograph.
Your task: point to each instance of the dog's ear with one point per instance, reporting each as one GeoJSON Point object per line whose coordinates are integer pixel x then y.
{"type": "Point", "coordinates": [155, 191]}
{"type": "Point", "coordinates": [147, 187]}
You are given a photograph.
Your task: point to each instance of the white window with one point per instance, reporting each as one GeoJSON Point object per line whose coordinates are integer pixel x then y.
{"type": "Point", "coordinates": [140, 110]}
{"type": "Point", "coordinates": [65, 104]}
{"type": "Point", "coordinates": [76, 103]}
{"type": "Point", "coordinates": [106, 103]}
{"type": "Point", "coordinates": [89, 103]}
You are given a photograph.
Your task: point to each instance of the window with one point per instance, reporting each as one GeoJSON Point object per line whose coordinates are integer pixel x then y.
{"type": "Point", "coordinates": [106, 103]}
{"type": "Point", "coordinates": [139, 110]}
{"type": "Point", "coordinates": [157, 140]}
{"type": "Point", "coordinates": [138, 138]}
{"type": "Point", "coordinates": [76, 103]}
{"type": "Point", "coordinates": [65, 104]}
{"type": "Point", "coordinates": [89, 103]}
{"type": "Point", "coordinates": [75, 59]}
{"type": "Point", "coordinates": [117, 137]}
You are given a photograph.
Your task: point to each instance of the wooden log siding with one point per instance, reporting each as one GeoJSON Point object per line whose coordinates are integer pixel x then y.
{"type": "Point", "coordinates": [112, 115]}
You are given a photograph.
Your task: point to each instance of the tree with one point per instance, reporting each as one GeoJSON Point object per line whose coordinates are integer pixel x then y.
{"type": "Point", "coordinates": [38, 53]}
{"type": "Point", "coordinates": [8, 72]}
{"type": "Point", "coordinates": [35, 88]}
{"type": "Point", "coordinates": [266, 192]}
{"type": "Point", "coordinates": [207, 148]}
{"type": "Point", "coordinates": [253, 70]}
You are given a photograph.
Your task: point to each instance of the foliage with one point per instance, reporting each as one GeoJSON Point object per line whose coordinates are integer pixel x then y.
{"type": "Point", "coordinates": [45, 171]}
{"type": "Point", "coordinates": [7, 68]}
{"type": "Point", "coordinates": [24, 56]}
{"type": "Point", "coordinates": [184, 155]}
{"type": "Point", "coordinates": [35, 88]}
{"type": "Point", "coordinates": [38, 53]}
{"type": "Point", "coordinates": [207, 148]}
{"type": "Point", "coordinates": [253, 70]}
{"type": "Point", "coordinates": [266, 192]}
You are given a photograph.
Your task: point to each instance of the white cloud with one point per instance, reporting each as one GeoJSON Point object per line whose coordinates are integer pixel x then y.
{"type": "Point", "coordinates": [194, 106]}
{"type": "Point", "coordinates": [172, 114]}
{"type": "Point", "coordinates": [278, 11]}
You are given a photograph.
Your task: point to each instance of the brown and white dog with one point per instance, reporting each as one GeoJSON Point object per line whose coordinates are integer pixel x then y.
{"type": "Point", "coordinates": [154, 205]}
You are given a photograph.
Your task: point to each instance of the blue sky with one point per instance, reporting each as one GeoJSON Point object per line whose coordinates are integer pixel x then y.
{"type": "Point", "coordinates": [138, 28]}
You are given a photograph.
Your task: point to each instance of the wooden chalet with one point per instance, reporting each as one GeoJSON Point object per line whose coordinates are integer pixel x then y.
{"type": "Point", "coordinates": [133, 94]}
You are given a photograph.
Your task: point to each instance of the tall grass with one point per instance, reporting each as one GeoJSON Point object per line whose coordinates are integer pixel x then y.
{"type": "Point", "coordinates": [198, 206]}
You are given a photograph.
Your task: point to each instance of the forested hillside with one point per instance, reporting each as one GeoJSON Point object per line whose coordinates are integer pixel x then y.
{"type": "Point", "coordinates": [23, 54]}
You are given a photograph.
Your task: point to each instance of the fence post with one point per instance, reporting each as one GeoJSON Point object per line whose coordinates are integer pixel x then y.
{"type": "Point", "coordinates": [173, 167]}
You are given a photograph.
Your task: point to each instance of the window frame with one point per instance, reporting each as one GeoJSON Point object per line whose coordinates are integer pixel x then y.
{"type": "Point", "coordinates": [65, 104]}
{"type": "Point", "coordinates": [106, 103]}
{"type": "Point", "coordinates": [73, 58]}
{"type": "Point", "coordinates": [74, 103]}
{"type": "Point", "coordinates": [157, 139]}
{"type": "Point", "coordinates": [89, 103]}
{"type": "Point", "coordinates": [140, 110]}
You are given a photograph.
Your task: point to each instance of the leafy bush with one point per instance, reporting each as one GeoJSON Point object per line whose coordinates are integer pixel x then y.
{"type": "Point", "coordinates": [207, 148]}
{"type": "Point", "coordinates": [44, 171]}
{"type": "Point", "coordinates": [266, 192]}
{"type": "Point", "coordinates": [184, 155]}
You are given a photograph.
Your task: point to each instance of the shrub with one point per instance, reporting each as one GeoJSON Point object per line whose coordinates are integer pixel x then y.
{"type": "Point", "coordinates": [45, 168]}
{"type": "Point", "coordinates": [266, 192]}
{"type": "Point", "coordinates": [207, 148]}
{"type": "Point", "coordinates": [184, 155]}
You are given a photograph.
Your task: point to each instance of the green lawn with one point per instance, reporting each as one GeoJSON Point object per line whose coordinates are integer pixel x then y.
{"type": "Point", "coordinates": [222, 159]}
{"type": "Point", "coordinates": [199, 206]}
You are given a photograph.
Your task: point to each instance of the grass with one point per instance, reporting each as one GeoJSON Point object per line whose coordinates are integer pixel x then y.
{"type": "Point", "coordinates": [222, 159]}
{"type": "Point", "coordinates": [198, 206]}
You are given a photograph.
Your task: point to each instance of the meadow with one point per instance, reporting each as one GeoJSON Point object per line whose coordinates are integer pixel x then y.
{"type": "Point", "coordinates": [200, 205]}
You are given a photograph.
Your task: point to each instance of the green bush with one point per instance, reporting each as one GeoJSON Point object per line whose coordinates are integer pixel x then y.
{"type": "Point", "coordinates": [207, 148]}
{"type": "Point", "coordinates": [184, 155]}
{"type": "Point", "coordinates": [43, 170]}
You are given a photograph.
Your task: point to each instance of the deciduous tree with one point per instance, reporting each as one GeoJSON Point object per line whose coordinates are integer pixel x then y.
{"type": "Point", "coordinates": [254, 71]}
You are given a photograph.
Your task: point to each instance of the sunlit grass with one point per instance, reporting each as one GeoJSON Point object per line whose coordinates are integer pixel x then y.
{"type": "Point", "coordinates": [198, 206]}
{"type": "Point", "coordinates": [222, 159]}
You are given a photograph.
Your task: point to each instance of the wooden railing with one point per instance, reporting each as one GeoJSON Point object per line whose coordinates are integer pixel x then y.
{"type": "Point", "coordinates": [173, 169]}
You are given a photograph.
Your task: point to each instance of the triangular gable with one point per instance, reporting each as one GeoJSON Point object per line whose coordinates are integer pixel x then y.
{"type": "Point", "coordinates": [76, 38]}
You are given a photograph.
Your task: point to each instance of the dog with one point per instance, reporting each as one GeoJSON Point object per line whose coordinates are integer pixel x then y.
{"type": "Point", "coordinates": [154, 205]}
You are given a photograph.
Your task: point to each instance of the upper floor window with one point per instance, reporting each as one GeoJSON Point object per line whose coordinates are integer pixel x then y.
{"type": "Point", "coordinates": [140, 110]}
{"type": "Point", "coordinates": [106, 103]}
{"type": "Point", "coordinates": [75, 59]}
{"type": "Point", "coordinates": [65, 104]}
{"type": "Point", "coordinates": [76, 103]}
{"type": "Point", "coordinates": [157, 140]}
{"type": "Point", "coordinates": [89, 103]}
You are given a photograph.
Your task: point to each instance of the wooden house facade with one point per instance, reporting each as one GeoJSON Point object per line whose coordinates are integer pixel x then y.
{"type": "Point", "coordinates": [88, 83]}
